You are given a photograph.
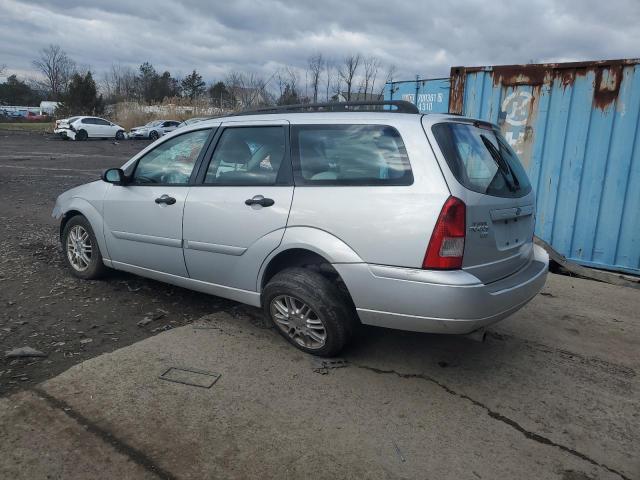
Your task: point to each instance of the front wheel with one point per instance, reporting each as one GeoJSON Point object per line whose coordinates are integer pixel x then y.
{"type": "Point", "coordinates": [309, 311]}
{"type": "Point", "coordinates": [82, 135]}
{"type": "Point", "coordinates": [153, 135]}
{"type": "Point", "coordinates": [120, 135]}
{"type": "Point", "coordinates": [81, 250]}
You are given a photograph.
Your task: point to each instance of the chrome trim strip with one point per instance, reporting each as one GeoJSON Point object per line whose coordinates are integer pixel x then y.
{"type": "Point", "coordinates": [137, 237]}
{"type": "Point", "coordinates": [214, 248]}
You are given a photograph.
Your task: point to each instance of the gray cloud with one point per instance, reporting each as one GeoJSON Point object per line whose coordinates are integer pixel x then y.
{"type": "Point", "coordinates": [419, 37]}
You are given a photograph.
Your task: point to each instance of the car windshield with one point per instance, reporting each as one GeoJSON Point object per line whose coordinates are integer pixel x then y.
{"type": "Point", "coordinates": [155, 123]}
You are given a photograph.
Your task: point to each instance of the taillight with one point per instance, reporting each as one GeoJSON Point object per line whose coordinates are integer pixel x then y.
{"type": "Point", "coordinates": [446, 246]}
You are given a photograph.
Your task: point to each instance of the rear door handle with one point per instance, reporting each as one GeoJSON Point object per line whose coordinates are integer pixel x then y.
{"type": "Point", "coordinates": [259, 200]}
{"type": "Point", "coordinates": [166, 199]}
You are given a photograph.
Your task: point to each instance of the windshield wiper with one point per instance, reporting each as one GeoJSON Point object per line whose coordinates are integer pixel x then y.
{"type": "Point", "coordinates": [503, 166]}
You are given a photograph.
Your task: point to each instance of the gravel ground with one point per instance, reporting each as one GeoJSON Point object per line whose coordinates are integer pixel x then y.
{"type": "Point", "coordinates": [43, 305]}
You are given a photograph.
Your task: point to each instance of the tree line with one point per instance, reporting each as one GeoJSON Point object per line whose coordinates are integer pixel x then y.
{"type": "Point", "coordinates": [322, 79]}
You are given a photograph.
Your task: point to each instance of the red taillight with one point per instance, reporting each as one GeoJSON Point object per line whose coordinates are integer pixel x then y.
{"type": "Point", "coordinates": [446, 246]}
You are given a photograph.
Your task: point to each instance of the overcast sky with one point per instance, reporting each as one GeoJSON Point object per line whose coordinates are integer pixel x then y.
{"type": "Point", "coordinates": [418, 37]}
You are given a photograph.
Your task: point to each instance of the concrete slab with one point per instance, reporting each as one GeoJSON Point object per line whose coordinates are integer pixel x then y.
{"type": "Point", "coordinates": [38, 441]}
{"type": "Point", "coordinates": [537, 400]}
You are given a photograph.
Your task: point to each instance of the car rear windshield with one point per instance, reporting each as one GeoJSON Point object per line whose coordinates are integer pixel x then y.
{"type": "Point", "coordinates": [481, 159]}
{"type": "Point", "coordinates": [350, 155]}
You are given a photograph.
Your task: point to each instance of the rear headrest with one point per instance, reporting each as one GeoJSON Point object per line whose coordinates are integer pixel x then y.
{"type": "Point", "coordinates": [313, 158]}
{"type": "Point", "coordinates": [236, 150]}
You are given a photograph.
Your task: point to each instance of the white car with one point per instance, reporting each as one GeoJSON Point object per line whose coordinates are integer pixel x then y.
{"type": "Point", "coordinates": [82, 128]}
{"type": "Point", "coordinates": [154, 130]}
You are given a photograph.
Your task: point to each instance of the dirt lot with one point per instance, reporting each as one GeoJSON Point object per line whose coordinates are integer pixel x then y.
{"type": "Point", "coordinates": [43, 306]}
{"type": "Point", "coordinates": [553, 393]}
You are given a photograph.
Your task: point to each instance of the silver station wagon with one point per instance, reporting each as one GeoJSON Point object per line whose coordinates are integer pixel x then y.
{"type": "Point", "coordinates": [326, 216]}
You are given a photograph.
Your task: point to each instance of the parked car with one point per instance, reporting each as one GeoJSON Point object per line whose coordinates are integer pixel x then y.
{"type": "Point", "coordinates": [34, 117]}
{"type": "Point", "coordinates": [154, 130]}
{"type": "Point", "coordinates": [401, 220]}
{"type": "Point", "coordinates": [82, 128]}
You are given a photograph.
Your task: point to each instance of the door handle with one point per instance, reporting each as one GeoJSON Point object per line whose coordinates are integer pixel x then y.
{"type": "Point", "coordinates": [166, 199]}
{"type": "Point", "coordinates": [259, 200]}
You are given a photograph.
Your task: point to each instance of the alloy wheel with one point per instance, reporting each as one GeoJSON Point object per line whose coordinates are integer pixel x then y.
{"type": "Point", "coordinates": [79, 248]}
{"type": "Point", "coordinates": [298, 320]}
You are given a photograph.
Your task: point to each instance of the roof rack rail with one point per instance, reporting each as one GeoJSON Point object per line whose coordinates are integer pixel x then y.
{"type": "Point", "coordinates": [395, 106]}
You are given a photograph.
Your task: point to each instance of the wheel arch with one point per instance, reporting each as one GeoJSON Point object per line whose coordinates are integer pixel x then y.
{"type": "Point", "coordinates": [303, 258]}
{"type": "Point", "coordinates": [79, 206]}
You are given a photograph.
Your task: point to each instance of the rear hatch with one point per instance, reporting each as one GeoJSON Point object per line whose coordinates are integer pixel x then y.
{"type": "Point", "coordinates": [485, 173]}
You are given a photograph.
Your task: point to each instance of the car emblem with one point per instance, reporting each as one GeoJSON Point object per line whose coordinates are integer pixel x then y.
{"type": "Point", "coordinates": [480, 227]}
{"type": "Point", "coordinates": [518, 210]}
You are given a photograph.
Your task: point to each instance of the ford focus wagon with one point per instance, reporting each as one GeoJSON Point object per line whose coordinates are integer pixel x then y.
{"type": "Point", "coordinates": [326, 216]}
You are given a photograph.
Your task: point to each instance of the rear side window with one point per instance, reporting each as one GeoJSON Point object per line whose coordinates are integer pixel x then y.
{"type": "Point", "coordinates": [248, 156]}
{"type": "Point", "coordinates": [481, 159]}
{"type": "Point", "coordinates": [350, 155]}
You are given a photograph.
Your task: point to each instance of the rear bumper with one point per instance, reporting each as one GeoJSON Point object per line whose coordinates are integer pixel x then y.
{"type": "Point", "coordinates": [439, 302]}
{"type": "Point", "coordinates": [65, 132]}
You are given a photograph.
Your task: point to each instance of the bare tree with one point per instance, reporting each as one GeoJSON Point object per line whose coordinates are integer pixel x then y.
{"type": "Point", "coordinates": [119, 83]}
{"type": "Point", "coordinates": [391, 71]}
{"type": "Point", "coordinates": [247, 90]}
{"type": "Point", "coordinates": [3, 68]}
{"type": "Point", "coordinates": [329, 73]}
{"type": "Point", "coordinates": [371, 66]}
{"type": "Point", "coordinates": [57, 69]}
{"type": "Point", "coordinates": [347, 71]}
{"type": "Point", "coordinates": [316, 65]}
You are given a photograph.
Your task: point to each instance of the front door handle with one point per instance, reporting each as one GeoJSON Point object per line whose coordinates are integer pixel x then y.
{"type": "Point", "coordinates": [166, 199]}
{"type": "Point", "coordinates": [259, 200]}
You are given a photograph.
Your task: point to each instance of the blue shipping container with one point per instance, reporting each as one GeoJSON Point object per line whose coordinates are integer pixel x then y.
{"type": "Point", "coordinates": [575, 127]}
{"type": "Point", "coordinates": [431, 96]}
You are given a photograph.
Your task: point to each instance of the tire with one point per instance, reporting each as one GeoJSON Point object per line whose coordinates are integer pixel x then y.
{"type": "Point", "coordinates": [82, 135]}
{"type": "Point", "coordinates": [89, 266]}
{"type": "Point", "coordinates": [330, 311]}
{"type": "Point", "coordinates": [120, 135]}
{"type": "Point", "coordinates": [153, 135]}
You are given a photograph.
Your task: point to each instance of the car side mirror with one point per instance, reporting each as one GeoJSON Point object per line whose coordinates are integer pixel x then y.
{"type": "Point", "coordinates": [115, 176]}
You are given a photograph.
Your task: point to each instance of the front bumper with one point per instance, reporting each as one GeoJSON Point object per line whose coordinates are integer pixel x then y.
{"type": "Point", "coordinates": [138, 134]}
{"type": "Point", "coordinates": [65, 133]}
{"type": "Point", "coordinates": [439, 302]}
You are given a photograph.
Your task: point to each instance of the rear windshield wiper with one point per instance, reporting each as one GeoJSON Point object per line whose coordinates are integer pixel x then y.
{"type": "Point", "coordinates": [503, 166]}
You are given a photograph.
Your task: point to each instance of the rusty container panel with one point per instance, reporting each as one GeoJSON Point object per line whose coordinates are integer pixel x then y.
{"type": "Point", "coordinates": [575, 127]}
{"type": "Point", "coordinates": [429, 95]}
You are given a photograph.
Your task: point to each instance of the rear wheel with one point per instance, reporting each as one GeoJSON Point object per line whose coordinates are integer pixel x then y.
{"type": "Point", "coordinates": [309, 311]}
{"type": "Point", "coordinates": [82, 135]}
{"type": "Point", "coordinates": [81, 250]}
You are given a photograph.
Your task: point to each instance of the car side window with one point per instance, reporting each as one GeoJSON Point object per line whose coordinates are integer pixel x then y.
{"type": "Point", "coordinates": [100, 121]}
{"type": "Point", "coordinates": [248, 156]}
{"type": "Point", "coordinates": [350, 155]}
{"type": "Point", "coordinates": [172, 161]}
{"type": "Point", "coordinates": [88, 121]}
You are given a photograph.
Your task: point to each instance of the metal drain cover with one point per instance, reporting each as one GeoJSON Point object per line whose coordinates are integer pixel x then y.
{"type": "Point", "coordinates": [189, 376]}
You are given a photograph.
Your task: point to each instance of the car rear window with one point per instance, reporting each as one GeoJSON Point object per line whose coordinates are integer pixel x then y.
{"type": "Point", "coordinates": [350, 155]}
{"type": "Point", "coordinates": [481, 159]}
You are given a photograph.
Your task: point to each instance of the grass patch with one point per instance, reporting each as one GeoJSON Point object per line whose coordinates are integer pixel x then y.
{"type": "Point", "coordinates": [27, 127]}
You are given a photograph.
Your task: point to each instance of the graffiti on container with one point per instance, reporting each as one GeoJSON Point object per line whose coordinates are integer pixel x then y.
{"type": "Point", "coordinates": [515, 114]}
{"type": "Point", "coordinates": [426, 101]}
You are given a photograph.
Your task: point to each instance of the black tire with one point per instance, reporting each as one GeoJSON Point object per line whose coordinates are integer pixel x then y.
{"type": "Point", "coordinates": [95, 268]}
{"type": "Point", "coordinates": [120, 135]}
{"type": "Point", "coordinates": [153, 135]}
{"type": "Point", "coordinates": [82, 135]}
{"type": "Point", "coordinates": [331, 306]}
